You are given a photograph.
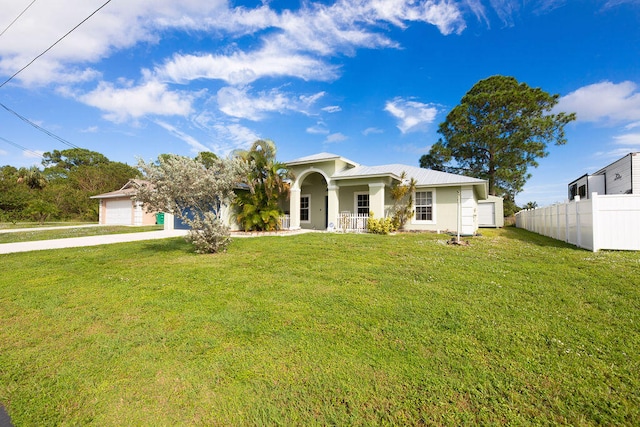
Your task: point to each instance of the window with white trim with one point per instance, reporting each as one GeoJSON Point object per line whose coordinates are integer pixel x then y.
{"type": "Point", "coordinates": [305, 208]}
{"type": "Point", "coordinates": [361, 204]}
{"type": "Point", "coordinates": [424, 205]}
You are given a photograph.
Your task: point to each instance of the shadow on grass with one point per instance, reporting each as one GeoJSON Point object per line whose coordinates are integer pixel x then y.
{"type": "Point", "coordinates": [523, 235]}
{"type": "Point", "coordinates": [174, 244]}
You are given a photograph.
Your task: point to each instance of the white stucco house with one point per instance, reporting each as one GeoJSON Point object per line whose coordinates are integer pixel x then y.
{"type": "Point", "coordinates": [330, 192]}
{"type": "Point", "coordinates": [120, 208]}
{"type": "Point", "coordinates": [329, 188]}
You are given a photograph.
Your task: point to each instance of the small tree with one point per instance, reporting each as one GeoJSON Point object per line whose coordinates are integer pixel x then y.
{"type": "Point", "coordinates": [195, 193]}
{"type": "Point", "coordinates": [402, 196]}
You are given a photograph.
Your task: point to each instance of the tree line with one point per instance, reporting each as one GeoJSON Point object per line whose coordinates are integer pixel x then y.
{"type": "Point", "coordinates": [62, 188]}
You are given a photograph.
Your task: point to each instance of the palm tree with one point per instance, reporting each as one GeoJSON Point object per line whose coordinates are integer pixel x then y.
{"type": "Point", "coordinates": [258, 208]}
{"type": "Point", "coordinates": [32, 177]}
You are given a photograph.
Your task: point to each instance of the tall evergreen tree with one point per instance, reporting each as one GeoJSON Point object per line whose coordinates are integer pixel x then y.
{"type": "Point", "coordinates": [499, 129]}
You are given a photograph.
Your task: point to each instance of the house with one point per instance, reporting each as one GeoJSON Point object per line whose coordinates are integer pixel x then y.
{"type": "Point", "coordinates": [329, 190]}
{"type": "Point", "coordinates": [620, 177]}
{"type": "Point", "coordinates": [120, 208]}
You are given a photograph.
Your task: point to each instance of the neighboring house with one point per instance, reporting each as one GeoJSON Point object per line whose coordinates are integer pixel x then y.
{"type": "Point", "coordinates": [120, 207]}
{"type": "Point", "coordinates": [329, 188]}
{"type": "Point", "coordinates": [620, 177]}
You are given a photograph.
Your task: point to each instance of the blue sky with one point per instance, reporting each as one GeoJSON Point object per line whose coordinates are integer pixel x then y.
{"type": "Point", "coordinates": [369, 80]}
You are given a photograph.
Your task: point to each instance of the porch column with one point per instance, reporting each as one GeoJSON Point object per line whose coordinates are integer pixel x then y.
{"type": "Point", "coordinates": [376, 199]}
{"type": "Point", "coordinates": [333, 192]}
{"type": "Point", "coordinates": [294, 208]}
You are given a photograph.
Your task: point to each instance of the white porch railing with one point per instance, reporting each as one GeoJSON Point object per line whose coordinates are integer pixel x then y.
{"type": "Point", "coordinates": [348, 222]}
{"type": "Point", "coordinates": [285, 222]}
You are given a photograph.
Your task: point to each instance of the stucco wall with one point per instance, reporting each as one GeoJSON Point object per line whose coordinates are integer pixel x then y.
{"type": "Point", "coordinates": [315, 186]}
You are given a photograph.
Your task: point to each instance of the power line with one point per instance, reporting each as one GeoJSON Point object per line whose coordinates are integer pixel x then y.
{"type": "Point", "coordinates": [40, 128]}
{"type": "Point", "coordinates": [26, 150]}
{"type": "Point", "coordinates": [54, 44]}
{"type": "Point", "coordinates": [17, 17]}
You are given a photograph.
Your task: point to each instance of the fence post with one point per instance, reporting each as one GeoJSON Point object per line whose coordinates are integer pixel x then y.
{"type": "Point", "coordinates": [595, 214]}
{"type": "Point", "coordinates": [578, 228]}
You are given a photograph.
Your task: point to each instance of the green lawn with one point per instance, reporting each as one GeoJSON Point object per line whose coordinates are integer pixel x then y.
{"type": "Point", "coordinates": [322, 329]}
{"type": "Point", "coordinates": [64, 233]}
{"type": "Point", "coordinates": [31, 224]}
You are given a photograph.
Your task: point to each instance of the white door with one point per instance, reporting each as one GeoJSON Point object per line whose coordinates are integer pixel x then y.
{"type": "Point", "coordinates": [487, 214]}
{"type": "Point", "coordinates": [118, 212]}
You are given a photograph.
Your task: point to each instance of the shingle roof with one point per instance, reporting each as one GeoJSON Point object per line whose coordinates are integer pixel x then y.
{"type": "Point", "coordinates": [318, 158]}
{"type": "Point", "coordinates": [129, 189]}
{"type": "Point", "coordinates": [422, 176]}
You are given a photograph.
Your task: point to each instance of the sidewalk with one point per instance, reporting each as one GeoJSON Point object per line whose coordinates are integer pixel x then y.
{"type": "Point", "coordinates": [74, 242]}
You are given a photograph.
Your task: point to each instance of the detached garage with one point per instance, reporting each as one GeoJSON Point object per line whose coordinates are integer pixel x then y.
{"type": "Point", "coordinates": [120, 208]}
{"type": "Point", "coordinates": [491, 212]}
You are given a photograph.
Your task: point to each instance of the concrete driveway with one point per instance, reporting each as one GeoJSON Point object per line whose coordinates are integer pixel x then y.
{"type": "Point", "coordinates": [74, 242]}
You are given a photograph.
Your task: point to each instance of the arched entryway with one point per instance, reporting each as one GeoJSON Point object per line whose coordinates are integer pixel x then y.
{"type": "Point", "coordinates": [313, 201]}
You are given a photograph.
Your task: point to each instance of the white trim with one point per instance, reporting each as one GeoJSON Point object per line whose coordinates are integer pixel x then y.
{"type": "Point", "coordinates": [433, 206]}
{"type": "Point", "coordinates": [355, 201]}
{"type": "Point", "coordinates": [308, 196]}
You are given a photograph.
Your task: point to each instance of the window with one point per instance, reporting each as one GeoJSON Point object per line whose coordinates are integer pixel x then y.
{"type": "Point", "coordinates": [424, 205]}
{"type": "Point", "coordinates": [582, 191]}
{"type": "Point", "coordinates": [362, 204]}
{"type": "Point", "coordinates": [305, 208]}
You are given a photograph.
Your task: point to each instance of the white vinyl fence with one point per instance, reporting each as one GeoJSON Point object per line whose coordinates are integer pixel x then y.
{"type": "Point", "coordinates": [601, 222]}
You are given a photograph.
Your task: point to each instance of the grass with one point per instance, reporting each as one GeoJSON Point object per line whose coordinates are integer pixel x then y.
{"type": "Point", "coordinates": [30, 236]}
{"type": "Point", "coordinates": [322, 329]}
{"type": "Point", "coordinates": [14, 225]}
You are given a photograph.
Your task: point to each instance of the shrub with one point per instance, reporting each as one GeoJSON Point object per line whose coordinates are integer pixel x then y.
{"type": "Point", "coordinates": [380, 226]}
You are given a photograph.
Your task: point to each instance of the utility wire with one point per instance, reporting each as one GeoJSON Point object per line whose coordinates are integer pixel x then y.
{"type": "Point", "coordinates": [26, 150]}
{"type": "Point", "coordinates": [56, 42]}
{"type": "Point", "coordinates": [17, 17]}
{"type": "Point", "coordinates": [40, 128]}
{"type": "Point", "coordinates": [21, 117]}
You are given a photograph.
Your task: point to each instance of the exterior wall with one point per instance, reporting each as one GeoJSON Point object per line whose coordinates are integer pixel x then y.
{"type": "Point", "coordinates": [346, 198]}
{"type": "Point", "coordinates": [315, 187]}
{"type": "Point", "coordinates": [498, 211]}
{"type": "Point", "coordinates": [635, 173]}
{"type": "Point", "coordinates": [445, 213]}
{"type": "Point", "coordinates": [618, 176]}
{"type": "Point", "coordinates": [139, 216]}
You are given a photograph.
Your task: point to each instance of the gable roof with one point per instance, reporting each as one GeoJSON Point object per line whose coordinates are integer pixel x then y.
{"type": "Point", "coordinates": [130, 189]}
{"type": "Point", "coordinates": [320, 157]}
{"type": "Point", "coordinates": [424, 177]}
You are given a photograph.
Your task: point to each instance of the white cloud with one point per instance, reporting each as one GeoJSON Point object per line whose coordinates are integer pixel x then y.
{"type": "Point", "coordinates": [332, 109]}
{"type": "Point", "coordinates": [319, 128]}
{"type": "Point", "coordinates": [411, 115]}
{"type": "Point", "coordinates": [239, 103]}
{"type": "Point", "coordinates": [294, 45]}
{"type": "Point", "coordinates": [604, 101]}
{"type": "Point", "coordinates": [241, 68]}
{"type": "Point", "coordinates": [372, 130]}
{"type": "Point", "coordinates": [232, 136]}
{"type": "Point", "coordinates": [122, 104]}
{"type": "Point", "coordinates": [196, 146]}
{"type": "Point", "coordinates": [335, 138]}
{"type": "Point", "coordinates": [3, 153]}
{"type": "Point", "coordinates": [627, 139]}
{"type": "Point", "coordinates": [225, 136]}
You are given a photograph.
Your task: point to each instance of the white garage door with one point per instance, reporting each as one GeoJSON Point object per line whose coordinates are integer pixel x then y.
{"type": "Point", "coordinates": [487, 214]}
{"type": "Point", "coordinates": [118, 212]}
